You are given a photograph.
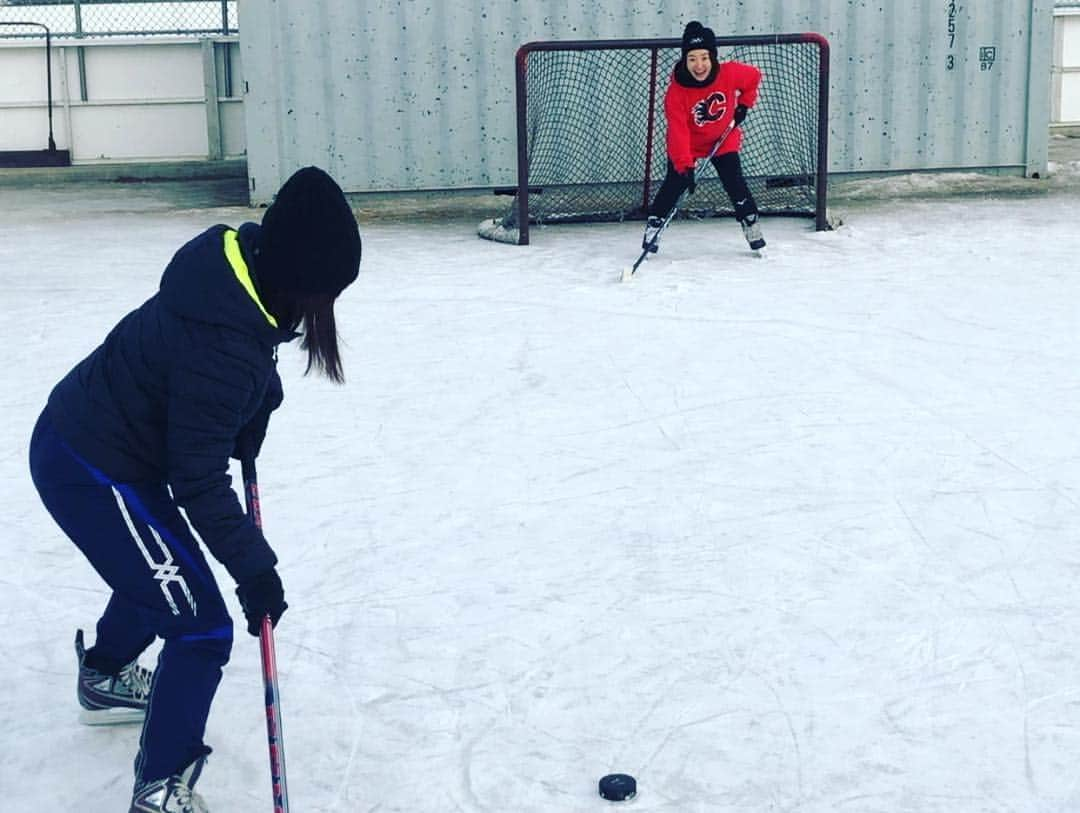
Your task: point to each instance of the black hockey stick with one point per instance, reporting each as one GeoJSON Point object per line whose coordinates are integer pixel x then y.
{"type": "Point", "coordinates": [274, 737]}
{"type": "Point", "coordinates": [653, 245]}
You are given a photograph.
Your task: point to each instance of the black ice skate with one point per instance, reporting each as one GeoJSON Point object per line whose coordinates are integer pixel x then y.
{"type": "Point", "coordinates": [111, 699]}
{"type": "Point", "coordinates": [652, 228]}
{"type": "Point", "coordinates": [751, 230]}
{"type": "Point", "coordinates": [174, 794]}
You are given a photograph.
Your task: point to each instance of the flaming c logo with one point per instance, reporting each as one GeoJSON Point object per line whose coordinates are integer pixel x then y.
{"type": "Point", "coordinates": [711, 108]}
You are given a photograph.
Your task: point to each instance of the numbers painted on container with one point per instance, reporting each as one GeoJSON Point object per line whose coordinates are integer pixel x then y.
{"type": "Point", "coordinates": [952, 12]}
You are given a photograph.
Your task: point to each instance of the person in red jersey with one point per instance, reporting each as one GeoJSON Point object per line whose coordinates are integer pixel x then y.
{"type": "Point", "coordinates": [703, 98]}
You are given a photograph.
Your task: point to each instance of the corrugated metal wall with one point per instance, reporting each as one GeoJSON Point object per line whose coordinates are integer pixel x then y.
{"type": "Point", "coordinates": [419, 94]}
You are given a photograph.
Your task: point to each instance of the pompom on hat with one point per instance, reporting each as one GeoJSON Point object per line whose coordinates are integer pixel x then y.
{"type": "Point", "coordinates": [309, 243]}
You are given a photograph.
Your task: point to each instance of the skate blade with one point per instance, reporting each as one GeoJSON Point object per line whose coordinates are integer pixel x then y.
{"type": "Point", "coordinates": [113, 716]}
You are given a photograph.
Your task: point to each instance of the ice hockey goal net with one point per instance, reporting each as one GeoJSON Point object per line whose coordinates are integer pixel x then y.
{"type": "Point", "coordinates": [591, 131]}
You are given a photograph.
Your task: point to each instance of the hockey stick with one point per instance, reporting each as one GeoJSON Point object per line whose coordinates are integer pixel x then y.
{"type": "Point", "coordinates": [653, 245]}
{"type": "Point", "coordinates": [274, 735]}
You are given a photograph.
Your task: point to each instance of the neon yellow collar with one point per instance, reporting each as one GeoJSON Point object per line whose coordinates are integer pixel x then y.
{"type": "Point", "coordinates": [239, 267]}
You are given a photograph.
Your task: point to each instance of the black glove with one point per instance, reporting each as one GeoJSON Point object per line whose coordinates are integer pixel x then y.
{"type": "Point", "coordinates": [740, 114]}
{"type": "Point", "coordinates": [691, 182]}
{"type": "Point", "coordinates": [261, 596]}
{"type": "Point", "coordinates": [250, 438]}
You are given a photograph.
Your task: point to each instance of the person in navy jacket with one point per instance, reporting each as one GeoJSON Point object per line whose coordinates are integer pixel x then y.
{"type": "Point", "coordinates": [132, 452]}
{"type": "Point", "coordinates": [702, 99]}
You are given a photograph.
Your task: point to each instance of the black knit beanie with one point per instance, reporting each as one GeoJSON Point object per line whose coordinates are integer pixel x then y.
{"type": "Point", "coordinates": [309, 243]}
{"type": "Point", "coordinates": [695, 36]}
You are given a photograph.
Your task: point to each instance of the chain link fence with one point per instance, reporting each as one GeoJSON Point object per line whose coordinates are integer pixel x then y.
{"type": "Point", "coordinates": [114, 18]}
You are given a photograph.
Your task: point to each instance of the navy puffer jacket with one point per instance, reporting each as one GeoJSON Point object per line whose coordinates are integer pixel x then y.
{"type": "Point", "coordinates": [165, 395]}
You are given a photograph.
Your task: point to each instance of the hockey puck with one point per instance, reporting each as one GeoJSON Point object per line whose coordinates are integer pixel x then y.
{"type": "Point", "coordinates": [618, 787]}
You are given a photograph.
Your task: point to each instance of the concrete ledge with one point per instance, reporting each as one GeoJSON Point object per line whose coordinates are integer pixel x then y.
{"type": "Point", "coordinates": [1069, 129]}
{"type": "Point", "coordinates": [126, 172]}
{"type": "Point", "coordinates": [431, 205]}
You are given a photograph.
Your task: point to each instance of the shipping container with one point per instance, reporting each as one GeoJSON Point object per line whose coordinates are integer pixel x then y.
{"type": "Point", "coordinates": [413, 94]}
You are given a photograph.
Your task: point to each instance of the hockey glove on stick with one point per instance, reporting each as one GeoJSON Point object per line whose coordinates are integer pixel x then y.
{"type": "Point", "coordinates": [260, 596]}
{"type": "Point", "coordinates": [740, 114]}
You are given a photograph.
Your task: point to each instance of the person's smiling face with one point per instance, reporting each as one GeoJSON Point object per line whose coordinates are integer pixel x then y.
{"type": "Point", "coordinates": [699, 63]}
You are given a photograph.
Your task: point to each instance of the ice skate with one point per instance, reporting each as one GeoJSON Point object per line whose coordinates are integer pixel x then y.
{"type": "Point", "coordinates": [111, 699]}
{"type": "Point", "coordinates": [652, 229]}
{"type": "Point", "coordinates": [174, 794]}
{"type": "Point", "coordinates": [751, 230]}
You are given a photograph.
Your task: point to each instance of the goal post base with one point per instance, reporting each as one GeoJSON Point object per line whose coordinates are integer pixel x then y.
{"type": "Point", "coordinates": [493, 229]}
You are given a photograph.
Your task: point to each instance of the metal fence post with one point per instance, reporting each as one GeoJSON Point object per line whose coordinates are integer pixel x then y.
{"type": "Point", "coordinates": [80, 51]}
{"type": "Point", "coordinates": [214, 150]}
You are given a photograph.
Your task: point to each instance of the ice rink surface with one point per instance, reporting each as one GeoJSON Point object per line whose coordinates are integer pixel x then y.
{"type": "Point", "coordinates": [794, 534]}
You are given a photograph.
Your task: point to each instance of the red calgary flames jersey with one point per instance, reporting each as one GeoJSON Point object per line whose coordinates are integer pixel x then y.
{"type": "Point", "coordinates": [696, 117]}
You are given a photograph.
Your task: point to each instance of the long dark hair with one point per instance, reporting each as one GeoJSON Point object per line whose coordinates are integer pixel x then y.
{"type": "Point", "coordinates": [313, 317]}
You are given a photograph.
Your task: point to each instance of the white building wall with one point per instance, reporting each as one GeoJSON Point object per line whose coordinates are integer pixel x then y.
{"type": "Point", "coordinates": [1065, 77]}
{"type": "Point", "coordinates": [146, 99]}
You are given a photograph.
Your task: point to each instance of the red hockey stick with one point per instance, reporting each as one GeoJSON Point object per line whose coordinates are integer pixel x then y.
{"type": "Point", "coordinates": [274, 735]}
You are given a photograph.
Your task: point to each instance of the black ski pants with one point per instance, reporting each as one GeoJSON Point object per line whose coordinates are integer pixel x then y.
{"type": "Point", "coordinates": [728, 169]}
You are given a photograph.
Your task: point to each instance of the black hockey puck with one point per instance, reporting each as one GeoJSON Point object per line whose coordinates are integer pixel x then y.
{"type": "Point", "coordinates": [618, 787]}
